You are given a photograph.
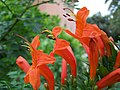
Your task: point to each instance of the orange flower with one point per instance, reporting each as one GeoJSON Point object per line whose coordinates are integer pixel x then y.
{"type": "Point", "coordinates": [63, 49]}
{"type": "Point", "coordinates": [80, 19]}
{"type": "Point", "coordinates": [110, 79]}
{"type": "Point", "coordinates": [117, 63]}
{"type": "Point", "coordinates": [93, 58]}
{"type": "Point", "coordinates": [106, 42]}
{"type": "Point", "coordinates": [56, 31]}
{"type": "Point", "coordinates": [90, 36]}
{"type": "Point", "coordinates": [101, 46]}
{"type": "Point", "coordinates": [23, 64]}
{"type": "Point", "coordinates": [64, 71]}
{"type": "Point", "coordinates": [39, 67]}
{"type": "Point", "coordinates": [90, 41]}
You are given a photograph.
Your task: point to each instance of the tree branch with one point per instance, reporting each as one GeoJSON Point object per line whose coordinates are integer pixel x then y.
{"type": "Point", "coordinates": [7, 7]}
{"type": "Point", "coordinates": [17, 19]}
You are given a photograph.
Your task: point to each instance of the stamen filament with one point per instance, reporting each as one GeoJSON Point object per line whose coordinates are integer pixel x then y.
{"type": "Point", "coordinates": [26, 46]}
{"type": "Point", "coordinates": [70, 11]}
{"type": "Point", "coordinates": [23, 38]}
{"type": "Point", "coordinates": [46, 31]}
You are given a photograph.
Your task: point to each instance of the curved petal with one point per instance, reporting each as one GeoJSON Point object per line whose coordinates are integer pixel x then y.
{"type": "Point", "coordinates": [60, 44]}
{"type": "Point", "coordinates": [106, 42]}
{"type": "Point", "coordinates": [48, 75]}
{"type": "Point", "coordinates": [45, 59]}
{"type": "Point", "coordinates": [110, 79]}
{"type": "Point", "coordinates": [93, 58]}
{"type": "Point", "coordinates": [85, 43]}
{"type": "Point", "coordinates": [117, 62]}
{"type": "Point", "coordinates": [56, 31]}
{"type": "Point", "coordinates": [23, 64]}
{"type": "Point", "coordinates": [36, 54]}
{"type": "Point", "coordinates": [91, 30]}
{"type": "Point", "coordinates": [64, 71]}
{"type": "Point", "coordinates": [79, 28]}
{"type": "Point", "coordinates": [33, 77]}
{"type": "Point", "coordinates": [81, 17]}
{"type": "Point", "coordinates": [35, 42]}
{"type": "Point", "coordinates": [100, 46]}
{"type": "Point", "coordinates": [85, 40]}
{"type": "Point", "coordinates": [82, 14]}
{"type": "Point", "coordinates": [67, 54]}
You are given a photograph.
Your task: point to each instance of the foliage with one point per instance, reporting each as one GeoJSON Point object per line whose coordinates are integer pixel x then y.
{"type": "Point", "coordinates": [32, 22]}
{"type": "Point", "coordinates": [115, 19]}
{"type": "Point", "coordinates": [110, 23]}
{"type": "Point", "coordinates": [27, 21]}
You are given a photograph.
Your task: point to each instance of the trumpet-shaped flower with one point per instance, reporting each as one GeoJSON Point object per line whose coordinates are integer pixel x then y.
{"type": "Point", "coordinates": [90, 40]}
{"type": "Point", "coordinates": [80, 20]}
{"type": "Point", "coordinates": [23, 64]}
{"type": "Point", "coordinates": [86, 32]}
{"type": "Point", "coordinates": [63, 49]}
{"type": "Point", "coordinates": [110, 79]}
{"type": "Point", "coordinates": [38, 67]}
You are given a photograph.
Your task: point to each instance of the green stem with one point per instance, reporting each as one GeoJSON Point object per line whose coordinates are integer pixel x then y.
{"type": "Point", "coordinates": [74, 83]}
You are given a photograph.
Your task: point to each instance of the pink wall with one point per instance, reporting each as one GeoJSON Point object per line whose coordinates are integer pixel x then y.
{"type": "Point", "coordinates": [57, 9]}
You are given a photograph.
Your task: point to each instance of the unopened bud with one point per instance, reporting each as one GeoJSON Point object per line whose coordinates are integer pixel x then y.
{"type": "Point", "coordinates": [46, 86]}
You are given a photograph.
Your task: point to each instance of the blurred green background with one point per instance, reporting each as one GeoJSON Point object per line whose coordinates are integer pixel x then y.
{"type": "Point", "coordinates": [18, 17]}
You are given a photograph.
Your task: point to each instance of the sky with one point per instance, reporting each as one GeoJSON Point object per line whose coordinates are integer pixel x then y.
{"type": "Point", "coordinates": [94, 6]}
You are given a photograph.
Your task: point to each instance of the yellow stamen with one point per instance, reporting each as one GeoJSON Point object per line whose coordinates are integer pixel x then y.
{"type": "Point", "coordinates": [46, 31]}
{"type": "Point", "coordinates": [26, 46]}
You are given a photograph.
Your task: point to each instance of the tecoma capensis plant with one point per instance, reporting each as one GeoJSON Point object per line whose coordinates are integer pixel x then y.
{"type": "Point", "coordinates": [98, 46]}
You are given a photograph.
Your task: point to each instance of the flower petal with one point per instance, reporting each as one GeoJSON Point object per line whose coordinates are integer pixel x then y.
{"type": "Point", "coordinates": [56, 31]}
{"type": "Point", "coordinates": [60, 44]}
{"type": "Point", "coordinates": [91, 30]}
{"type": "Point", "coordinates": [81, 20]}
{"type": "Point", "coordinates": [110, 79]}
{"type": "Point", "coordinates": [35, 42]}
{"type": "Point", "coordinates": [93, 58]}
{"type": "Point", "coordinates": [23, 64]}
{"type": "Point", "coordinates": [45, 59]}
{"type": "Point", "coordinates": [70, 33]}
{"type": "Point", "coordinates": [106, 42]}
{"type": "Point", "coordinates": [100, 46]}
{"type": "Point", "coordinates": [117, 63]}
{"type": "Point", "coordinates": [48, 75]}
{"type": "Point", "coordinates": [82, 14]}
{"type": "Point", "coordinates": [64, 71]}
{"type": "Point", "coordinates": [33, 77]}
{"type": "Point", "coordinates": [65, 52]}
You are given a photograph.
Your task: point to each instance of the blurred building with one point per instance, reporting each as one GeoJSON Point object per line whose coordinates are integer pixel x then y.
{"type": "Point", "coordinates": [57, 9]}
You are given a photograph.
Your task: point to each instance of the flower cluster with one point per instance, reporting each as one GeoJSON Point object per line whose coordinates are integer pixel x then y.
{"type": "Point", "coordinates": [95, 42]}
